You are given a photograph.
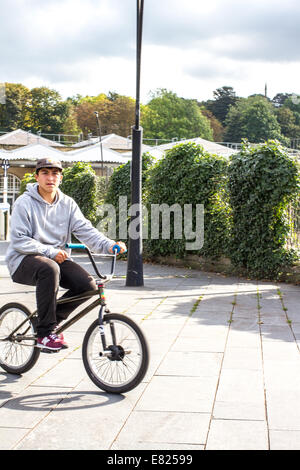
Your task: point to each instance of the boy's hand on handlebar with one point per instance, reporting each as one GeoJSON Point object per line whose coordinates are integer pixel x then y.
{"type": "Point", "coordinates": [61, 256]}
{"type": "Point", "coordinates": [121, 245]}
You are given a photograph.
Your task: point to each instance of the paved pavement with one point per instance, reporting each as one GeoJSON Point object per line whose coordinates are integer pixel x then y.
{"type": "Point", "coordinates": [224, 371]}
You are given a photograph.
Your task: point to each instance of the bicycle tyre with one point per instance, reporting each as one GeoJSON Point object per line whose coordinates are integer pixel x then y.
{"type": "Point", "coordinates": [121, 371]}
{"type": "Point", "coordinates": [17, 357]}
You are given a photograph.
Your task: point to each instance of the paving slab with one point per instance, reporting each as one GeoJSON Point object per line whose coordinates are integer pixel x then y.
{"type": "Point", "coordinates": [177, 393]}
{"type": "Point", "coordinates": [284, 440]}
{"type": "Point", "coordinates": [237, 435]}
{"type": "Point", "coordinates": [190, 364]}
{"type": "Point", "coordinates": [164, 428]}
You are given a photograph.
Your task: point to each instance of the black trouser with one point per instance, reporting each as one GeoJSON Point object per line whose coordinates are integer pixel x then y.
{"type": "Point", "coordinates": [47, 276]}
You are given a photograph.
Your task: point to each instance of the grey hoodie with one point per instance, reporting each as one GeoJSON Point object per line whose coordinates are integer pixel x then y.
{"type": "Point", "coordinates": [38, 227]}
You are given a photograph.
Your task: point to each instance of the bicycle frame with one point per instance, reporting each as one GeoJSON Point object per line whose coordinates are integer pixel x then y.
{"type": "Point", "coordinates": [100, 301]}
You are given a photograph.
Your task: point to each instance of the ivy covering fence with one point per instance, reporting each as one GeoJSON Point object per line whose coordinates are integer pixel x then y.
{"type": "Point", "coordinates": [263, 181]}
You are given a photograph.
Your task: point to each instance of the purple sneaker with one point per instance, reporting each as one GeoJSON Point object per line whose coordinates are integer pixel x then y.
{"type": "Point", "coordinates": [62, 340]}
{"type": "Point", "coordinates": [51, 342]}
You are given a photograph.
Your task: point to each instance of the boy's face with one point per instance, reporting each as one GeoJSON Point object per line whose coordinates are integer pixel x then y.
{"type": "Point", "coordinates": [49, 179]}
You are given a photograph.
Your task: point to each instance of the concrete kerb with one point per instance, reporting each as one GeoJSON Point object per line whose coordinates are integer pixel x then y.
{"type": "Point", "coordinates": [224, 355]}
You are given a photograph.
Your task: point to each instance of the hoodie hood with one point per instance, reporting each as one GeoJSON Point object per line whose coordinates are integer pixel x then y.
{"type": "Point", "coordinates": [32, 191]}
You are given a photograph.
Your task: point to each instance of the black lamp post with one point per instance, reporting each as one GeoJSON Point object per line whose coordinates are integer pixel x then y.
{"type": "Point", "coordinates": [135, 248]}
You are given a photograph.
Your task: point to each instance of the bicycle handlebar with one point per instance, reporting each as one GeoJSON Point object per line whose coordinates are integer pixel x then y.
{"type": "Point", "coordinates": [116, 249]}
{"type": "Point", "coordinates": [80, 246]}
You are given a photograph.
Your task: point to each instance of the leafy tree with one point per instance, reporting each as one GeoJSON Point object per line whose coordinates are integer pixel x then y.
{"type": "Point", "coordinates": [123, 115]}
{"type": "Point", "coordinates": [167, 116]}
{"type": "Point", "coordinates": [112, 95]}
{"type": "Point", "coordinates": [293, 103]}
{"type": "Point", "coordinates": [280, 98]}
{"type": "Point", "coordinates": [14, 113]}
{"type": "Point", "coordinates": [217, 128]}
{"type": "Point", "coordinates": [116, 114]}
{"type": "Point", "coordinates": [254, 119]}
{"type": "Point", "coordinates": [224, 97]}
{"type": "Point", "coordinates": [85, 118]}
{"type": "Point", "coordinates": [48, 111]}
{"type": "Point", "coordinates": [70, 126]}
{"type": "Point", "coordinates": [287, 121]}
{"type": "Point", "coordinates": [74, 100]}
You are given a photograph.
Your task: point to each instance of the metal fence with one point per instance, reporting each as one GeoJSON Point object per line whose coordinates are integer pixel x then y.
{"type": "Point", "coordinates": [293, 220]}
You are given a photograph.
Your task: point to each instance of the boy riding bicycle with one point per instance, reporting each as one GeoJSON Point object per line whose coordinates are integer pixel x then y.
{"type": "Point", "coordinates": [42, 222]}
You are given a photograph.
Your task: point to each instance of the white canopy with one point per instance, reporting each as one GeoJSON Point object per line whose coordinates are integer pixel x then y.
{"type": "Point", "coordinates": [20, 137]}
{"type": "Point", "coordinates": [93, 154]}
{"type": "Point", "coordinates": [3, 154]}
{"type": "Point", "coordinates": [89, 155]}
{"type": "Point", "coordinates": [33, 152]}
{"type": "Point", "coordinates": [208, 146]}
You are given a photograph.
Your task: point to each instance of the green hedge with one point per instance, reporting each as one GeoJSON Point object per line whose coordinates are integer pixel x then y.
{"type": "Point", "coordinates": [263, 180]}
{"type": "Point", "coordinates": [189, 175]}
{"type": "Point", "coordinates": [120, 185]}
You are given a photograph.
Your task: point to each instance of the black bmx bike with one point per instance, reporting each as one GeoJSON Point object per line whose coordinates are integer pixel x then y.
{"type": "Point", "coordinates": [114, 350]}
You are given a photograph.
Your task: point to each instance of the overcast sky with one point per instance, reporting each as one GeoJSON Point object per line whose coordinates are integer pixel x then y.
{"type": "Point", "coordinates": [190, 47]}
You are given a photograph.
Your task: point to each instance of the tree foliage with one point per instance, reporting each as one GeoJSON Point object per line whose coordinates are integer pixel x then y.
{"type": "Point", "coordinates": [39, 109]}
{"type": "Point", "coordinates": [280, 98]}
{"type": "Point", "coordinates": [166, 116]}
{"type": "Point", "coordinates": [287, 121]}
{"type": "Point", "coordinates": [254, 119]}
{"type": "Point", "coordinates": [116, 114]}
{"type": "Point", "coordinates": [217, 128]}
{"type": "Point", "coordinates": [169, 117]}
{"type": "Point", "coordinates": [15, 112]}
{"type": "Point", "coordinates": [47, 111]}
{"type": "Point", "coordinates": [224, 97]}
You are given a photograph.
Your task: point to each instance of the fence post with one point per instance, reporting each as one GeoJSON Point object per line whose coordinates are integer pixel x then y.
{"type": "Point", "coordinates": [2, 226]}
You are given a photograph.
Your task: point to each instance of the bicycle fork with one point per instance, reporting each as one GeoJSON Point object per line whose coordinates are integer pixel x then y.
{"type": "Point", "coordinates": [103, 307]}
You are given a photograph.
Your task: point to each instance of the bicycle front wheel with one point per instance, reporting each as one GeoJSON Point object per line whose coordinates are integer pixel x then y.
{"type": "Point", "coordinates": [124, 362]}
{"type": "Point", "coordinates": [18, 353]}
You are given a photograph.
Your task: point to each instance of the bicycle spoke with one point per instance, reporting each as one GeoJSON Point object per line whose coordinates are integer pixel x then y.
{"type": "Point", "coordinates": [16, 354]}
{"type": "Point", "coordinates": [115, 371]}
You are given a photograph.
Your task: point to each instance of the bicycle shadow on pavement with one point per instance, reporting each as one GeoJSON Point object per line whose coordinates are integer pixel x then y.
{"type": "Point", "coordinates": [58, 401]}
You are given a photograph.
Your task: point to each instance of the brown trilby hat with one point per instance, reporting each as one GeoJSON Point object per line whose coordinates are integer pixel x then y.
{"type": "Point", "coordinates": [48, 163]}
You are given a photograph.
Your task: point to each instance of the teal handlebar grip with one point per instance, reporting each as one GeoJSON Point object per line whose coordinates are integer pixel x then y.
{"type": "Point", "coordinates": [117, 248]}
{"type": "Point", "coordinates": [75, 246]}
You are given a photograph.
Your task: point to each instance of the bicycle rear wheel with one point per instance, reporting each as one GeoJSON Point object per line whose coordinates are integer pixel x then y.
{"type": "Point", "coordinates": [124, 363]}
{"type": "Point", "coordinates": [17, 355]}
